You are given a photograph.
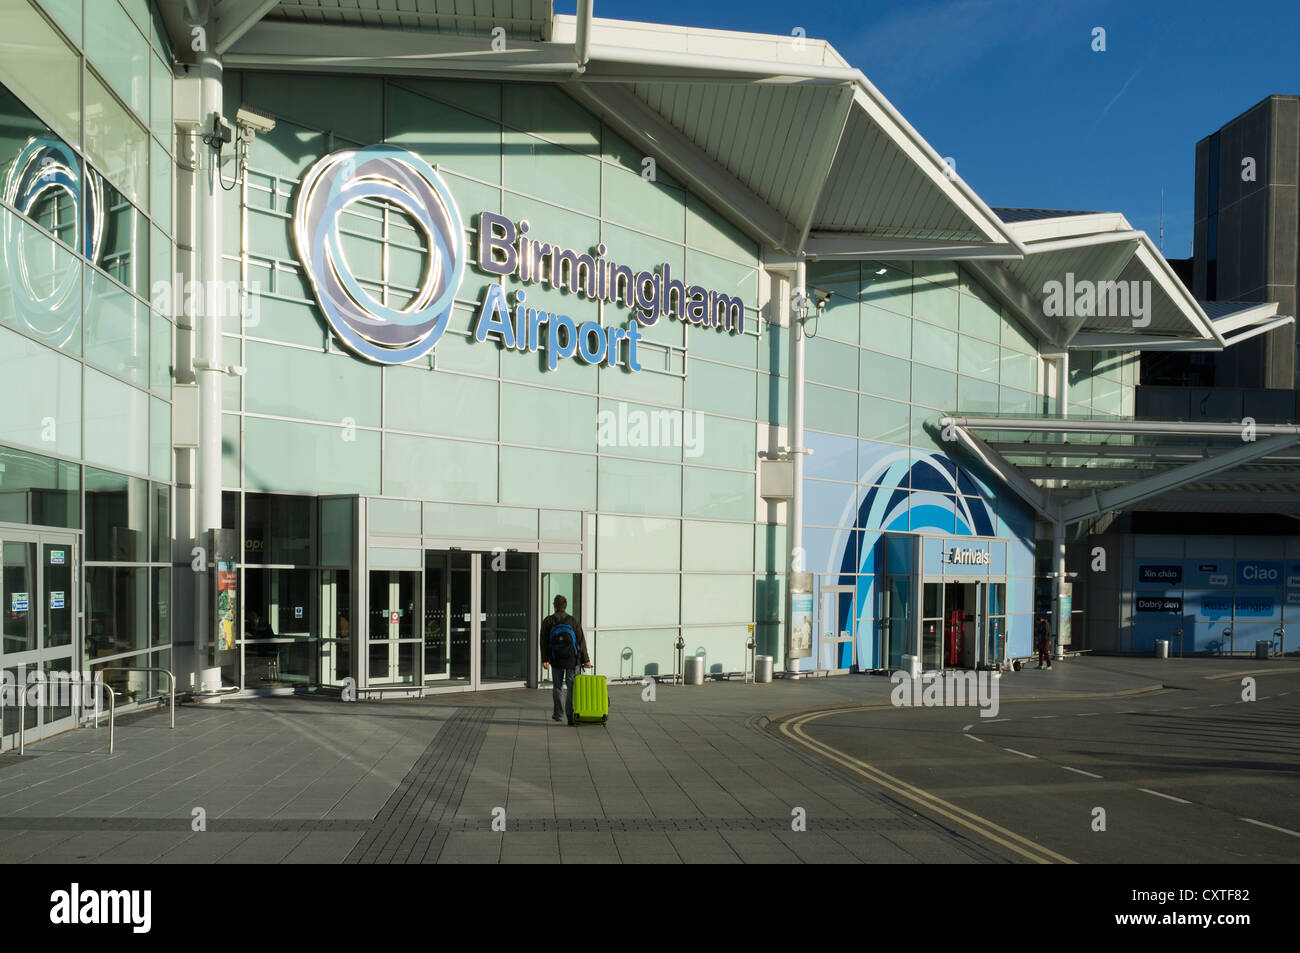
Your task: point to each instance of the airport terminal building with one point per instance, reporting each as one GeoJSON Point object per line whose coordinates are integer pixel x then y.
{"type": "Point", "coordinates": [335, 343]}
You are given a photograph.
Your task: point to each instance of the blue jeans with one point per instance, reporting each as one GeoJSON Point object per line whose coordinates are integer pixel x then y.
{"type": "Point", "coordinates": [559, 678]}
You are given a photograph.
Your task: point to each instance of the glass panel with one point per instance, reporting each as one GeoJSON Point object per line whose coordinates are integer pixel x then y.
{"type": "Point", "coordinates": [465, 406]}
{"type": "Point", "coordinates": [130, 686]}
{"type": "Point", "coordinates": [160, 619]}
{"type": "Point", "coordinates": [394, 610]}
{"type": "Point", "coordinates": [160, 106]}
{"type": "Point", "coordinates": [115, 141]}
{"type": "Point", "coordinates": [280, 647]}
{"type": "Point", "coordinates": [336, 626]}
{"type": "Point", "coordinates": [40, 391]}
{"type": "Point", "coordinates": [462, 142]}
{"type": "Point", "coordinates": [35, 489]}
{"type": "Point", "coordinates": [418, 467]}
{"type": "Point", "coordinates": [336, 538]}
{"type": "Point", "coordinates": [40, 67]}
{"type": "Point", "coordinates": [279, 529]}
{"type": "Point", "coordinates": [116, 423]}
{"type": "Point", "coordinates": [119, 52]}
{"type": "Point", "coordinates": [117, 513]}
{"type": "Point", "coordinates": [58, 691]}
{"type": "Point", "coordinates": [161, 543]}
{"type": "Point", "coordinates": [715, 598]}
{"type": "Point", "coordinates": [446, 623]}
{"type": "Point", "coordinates": [17, 595]}
{"type": "Point", "coordinates": [291, 382]}
{"type": "Point", "coordinates": [535, 167]}
{"type": "Point", "coordinates": [117, 616]}
{"type": "Point", "coordinates": [56, 567]}
{"type": "Point", "coordinates": [628, 599]}
{"type": "Point", "coordinates": [630, 486]}
{"type": "Point", "coordinates": [637, 543]}
{"type": "Point", "coordinates": [546, 418]}
{"type": "Point", "coordinates": [40, 291]}
{"type": "Point", "coordinates": [542, 478]}
{"type": "Point", "coordinates": [505, 628]}
{"type": "Point", "coordinates": [717, 494]}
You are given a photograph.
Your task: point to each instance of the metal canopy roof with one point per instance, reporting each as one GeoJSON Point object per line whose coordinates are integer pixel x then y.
{"type": "Point", "coordinates": [784, 137]}
{"type": "Point", "coordinates": [520, 18]}
{"type": "Point", "coordinates": [1068, 251]}
{"type": "Point", "coordinates": [1073, 469]}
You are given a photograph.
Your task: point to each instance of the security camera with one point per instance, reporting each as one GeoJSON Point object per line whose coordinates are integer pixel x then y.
{"type": "Point", "coordinates": [821, 297]}
{"type": "Point", "coordinates": [257, 123]}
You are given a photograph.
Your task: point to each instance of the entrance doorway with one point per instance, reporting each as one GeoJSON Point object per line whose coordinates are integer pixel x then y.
{"type": "Point", "coordinates": [463, 622]}
{"type": "Point", "coordinates": [836, 631]}
{"type": "Point", "coordinates": [39, 613]}
{"type": "Point", "coordinates": [477, 618]}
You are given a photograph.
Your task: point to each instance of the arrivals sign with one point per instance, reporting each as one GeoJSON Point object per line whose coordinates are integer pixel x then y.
{"type": "Point", "coordinates": [389, 335]}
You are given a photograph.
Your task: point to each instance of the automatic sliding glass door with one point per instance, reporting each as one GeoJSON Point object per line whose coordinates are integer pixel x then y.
{"type": "Point", "coordinates": [392, 634]}
{"type": "Point", "coordinates": [38, 630]}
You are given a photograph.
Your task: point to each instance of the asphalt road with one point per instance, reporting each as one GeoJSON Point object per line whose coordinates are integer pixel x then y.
{"type": "Point", "coordinates": [1188, 774]}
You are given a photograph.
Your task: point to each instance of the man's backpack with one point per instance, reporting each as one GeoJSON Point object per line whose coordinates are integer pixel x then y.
{"type": "Point", "coordinates": [564, 646]}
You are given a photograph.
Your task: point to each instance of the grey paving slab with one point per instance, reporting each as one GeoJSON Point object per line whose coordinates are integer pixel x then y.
{"type": "Point", "coordinates": [323, 847]}
{"type": "Point", "coordinates": [206, 847]}
{"type": "Point", "coordinates": [263, 848]}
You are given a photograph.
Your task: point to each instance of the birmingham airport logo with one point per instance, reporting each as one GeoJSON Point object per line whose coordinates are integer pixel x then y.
{"type": "Point", "coordinates": [371, 329]}
{"type": "Point", "coordinates": [45, 293]}
{"type": "Point", "coordinates": [949, 689]}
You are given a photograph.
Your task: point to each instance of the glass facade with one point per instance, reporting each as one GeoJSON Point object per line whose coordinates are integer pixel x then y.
{"type": "Point", "coordinates": [85, 361]}
{"type": "Point", "coordinates": [406, 526]}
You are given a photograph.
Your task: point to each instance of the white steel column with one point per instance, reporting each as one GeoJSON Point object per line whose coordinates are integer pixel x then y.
{"type": "Point", "coordinates": [207, 478]}
{"type": "Point", "coordinates": [798, 309]}
{"type": "Point", "coordinates": [1058, 577]}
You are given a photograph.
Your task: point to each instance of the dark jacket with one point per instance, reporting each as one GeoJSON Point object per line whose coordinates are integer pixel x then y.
{"type": "Point", "coordinates": [545, 643]}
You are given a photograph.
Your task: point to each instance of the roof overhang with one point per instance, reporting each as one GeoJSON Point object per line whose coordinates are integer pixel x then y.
{"type": "Point", "coordinates": [1090, 281]}
{"type": "Point", "coordinates": [1071, 470]}
{"type": "Point", "coordinates": [779, 132]}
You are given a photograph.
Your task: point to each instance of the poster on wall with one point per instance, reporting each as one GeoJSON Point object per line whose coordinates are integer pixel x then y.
{"type": "Point", "coordinates": [227, 605]}
{"type": "Point", "coordinates": [801, 615]}
{"type": "Point", "coordinates": [1067, 608]}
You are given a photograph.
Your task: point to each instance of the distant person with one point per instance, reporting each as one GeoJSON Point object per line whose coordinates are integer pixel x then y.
{"type": "Point", "coordinates": [1044, 639]}
{"type": "Point", "coordinates": [564, 646]}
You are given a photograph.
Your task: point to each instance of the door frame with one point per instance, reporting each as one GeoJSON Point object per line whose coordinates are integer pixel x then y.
{"type": "Point", "coordinates": [837, 639]}
{"type": "Point", "coordinates": [38, 597]}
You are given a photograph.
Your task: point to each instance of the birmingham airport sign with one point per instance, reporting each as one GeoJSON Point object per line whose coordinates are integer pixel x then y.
{"type": "Point", "coordinates": [396, 336]}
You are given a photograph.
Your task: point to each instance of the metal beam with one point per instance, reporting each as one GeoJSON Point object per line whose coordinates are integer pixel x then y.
{"type": "Point", "coordinates": [1245, 317]}
{"type": "Point", "coordinates": [1157, 428]}
{"type": "Point", "coordinates": [1007, 289]}
{"type": "Point", "coordinates": [641, 125]}
{"type": "Point", "coordinates": [818, 166]}
{"type": "Point", "coordinates": [1125, 497]}
{"type": "Point", "coordinates": [931, 164]}
{"type": "Point", "coordinates": [1007, 472]}
{"type": "Point", "coordinates": [826, 245]}
{"type": "Point", "coordinates": [234, 18]}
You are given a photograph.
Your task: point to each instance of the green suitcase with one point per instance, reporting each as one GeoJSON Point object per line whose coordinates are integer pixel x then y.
{"type": "Point", "coordinates": [590, 699]}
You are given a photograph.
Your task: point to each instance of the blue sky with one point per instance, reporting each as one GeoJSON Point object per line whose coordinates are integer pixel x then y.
{"type": "Point", "coordinates": [1014, 92]}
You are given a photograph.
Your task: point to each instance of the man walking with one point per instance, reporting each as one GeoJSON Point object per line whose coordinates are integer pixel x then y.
{"type": "Point", "coordinates": [1044, 639]}
{"type": "Point", "coordinates": [564, 646]}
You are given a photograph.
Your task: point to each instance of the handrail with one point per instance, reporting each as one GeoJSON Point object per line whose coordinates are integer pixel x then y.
{"type": "Point", "coordinates": [112, 711]}
{"type": "Point", "coordinates": [22, 715]}
{"type": "Point", "coordinates": [171, 681]}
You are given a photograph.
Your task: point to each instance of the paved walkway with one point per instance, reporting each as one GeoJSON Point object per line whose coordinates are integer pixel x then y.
{"type": "Point", "coordinates": [692, 776]}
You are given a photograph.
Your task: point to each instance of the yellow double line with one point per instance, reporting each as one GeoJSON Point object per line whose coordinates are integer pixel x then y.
{"type": "Point", "coordinates": [794, 730]}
